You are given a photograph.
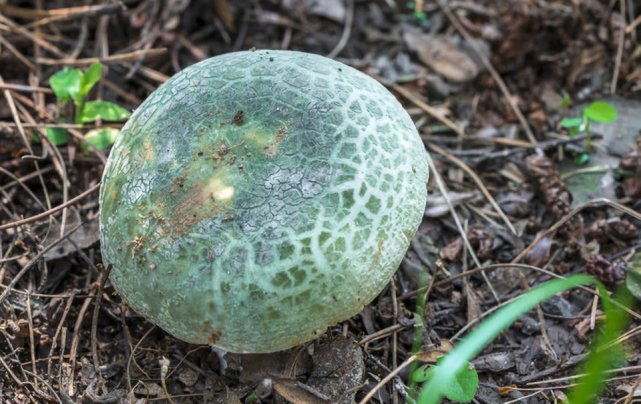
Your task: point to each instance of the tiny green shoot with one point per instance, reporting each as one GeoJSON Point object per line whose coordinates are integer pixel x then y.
{"type": "Point", "coordinates": [605, 351]}
{"type": "Point", "coordinates": [419, 325]}
{"type": "Point", "coordinates": [597, 111]}
{"type": "Point", "coordinates": [418, 14]}
{"type": "Point", "coordinates": [565, 99]}
{"type": "Point", "coordinates": [70, 84]}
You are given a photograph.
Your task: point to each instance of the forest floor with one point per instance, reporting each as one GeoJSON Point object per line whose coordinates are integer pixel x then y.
{"type": "Point", "coordinates": [487, 83]}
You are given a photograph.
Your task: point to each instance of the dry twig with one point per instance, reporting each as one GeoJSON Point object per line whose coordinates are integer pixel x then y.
{"type": "Point", "coordinates": [486, 62]}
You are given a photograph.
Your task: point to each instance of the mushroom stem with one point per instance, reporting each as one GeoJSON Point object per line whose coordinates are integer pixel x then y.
{"type": "Point", "coordinates": [221, 358]}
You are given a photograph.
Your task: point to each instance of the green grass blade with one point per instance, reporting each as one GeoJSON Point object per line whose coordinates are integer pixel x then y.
{"type": "Point", "coordinates": [603, 357]}
{"type": "Point", "coordinates": [458, 358]}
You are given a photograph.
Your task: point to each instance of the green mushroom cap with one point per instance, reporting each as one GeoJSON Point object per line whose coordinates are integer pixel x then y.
{"type": "Point", "coordinates": [258, 197]}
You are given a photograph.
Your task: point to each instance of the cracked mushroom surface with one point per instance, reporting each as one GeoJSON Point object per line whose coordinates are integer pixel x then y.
{"type": "Point", "coordinates": [258, 197]}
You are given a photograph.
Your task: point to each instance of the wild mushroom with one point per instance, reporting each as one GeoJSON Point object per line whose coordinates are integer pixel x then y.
{"type": "Point", "coordinates": [258, 197]}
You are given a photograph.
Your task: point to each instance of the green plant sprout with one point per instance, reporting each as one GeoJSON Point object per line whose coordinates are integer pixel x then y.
{"type": "Point", "coordinates": [566, 102]}
{"type": "Point", "coordinates": [74, 85]}
{"type": "Point", "coordinates": [419, 15]}
{"type": "Point", "coordinates": [465, 383]}
{"type": "Point", "coordinates": [453, 377]}
{"type": "Point", "coordinates": [598, 111]}
{"type": "Point", "coordinates": [461, 389]}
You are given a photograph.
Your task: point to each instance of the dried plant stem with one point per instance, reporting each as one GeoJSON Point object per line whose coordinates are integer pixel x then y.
{"type": "Point", "coordinates": [123, 57]}
{"type": "Point", "coordinates": [52, 210]}
{"type": "Point", "coordinates": [33, 262]}
{"type": "Point", "coordinates": [104, 275]}
{"type": "Point", "coordinates": [461, 164]}
{"type": "Point", "coordinates": [386, 379]}
{"type": "Point", "coordinates": [495, 75]}
{"type": "Point", "coordinates": [443, 190]}
{"type": "Point", "coordinates": [619, 55]}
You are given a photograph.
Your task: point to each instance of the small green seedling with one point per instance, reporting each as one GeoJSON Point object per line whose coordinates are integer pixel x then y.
{"type": "Point", "coordinates": [598, 111]}
{"type": "Point", "coordinates": [418, 14]}
{"type": "Point", "coordinates": [566, 102]}
{"type": "Point", "coordinates": [74, 85]}
{"type": "Point", "coordinates": [461, 388]}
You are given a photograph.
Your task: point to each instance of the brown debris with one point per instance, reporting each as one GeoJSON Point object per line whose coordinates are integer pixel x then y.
{"type": "Point", "coordinates": [443, 55]}
{"type": "Point", "coordinates": [214, 337]}
{"type": "Point", "coordinates": [480, 240]}
{"type": "Point", "coordinates": [610, 273]}
{"type": "Point", "coordinates": [555, 194]}
{"type": "Point", "coordinates": [192, 207]}
{"type": "Point", "coordinates": [614, 228]}
{"type": "Point", "coordinates": [238, 119]}
{"type": "Point", "coordinates": [631, 167]}
{"type": "Point", "coordinates": [272, 148]}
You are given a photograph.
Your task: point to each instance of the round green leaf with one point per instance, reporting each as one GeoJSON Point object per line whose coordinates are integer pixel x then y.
{"type": "Point", "coordinates": [421, 374]}
{"type": "Point", "coordinates": [600, 111]}
{"type": "Point", "coordinates": [66, 83]}
{"type": "Point", "coordinates": [107, 111]}
{"type": "Point", "coordinates": [57, 136]}
{"type": "Point", "coordinates": [461, 388]}
{"type": "Point", "coordinates": [101, 138]}
{"type": "Point", "coordinates": [465, 385]}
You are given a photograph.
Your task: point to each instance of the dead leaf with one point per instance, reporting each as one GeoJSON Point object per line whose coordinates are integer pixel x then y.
{"type": "Point", "coordinates": [83, 238]}
{"type": "Point", "coordinates": [505, 390]}
{"type": "Point", "coordinates": [430, 353]}
{"type": "Point", "coordinates": [225, 14]}
{"type": "Point", "coordinates": [232, 396]}
{"type": "Point", "coordinates": [540, 252]}
{"type": "Point", "coordinates": [331, 9]}
{"type": "Point", "coordinates": [495, 362]}
{"type": "Point", "coordinates": [627, 388]}
{"type": "Point", "coordinates": [443, 55]}
{"type": "Point", "coordinates": [255, 367]}
{"type": "Point", "coordinates": [188, 377]}
{"type": "Point", "coordinates": [452, 251]}
{"type": "Point", "coordinates": [473, 303]}
{"type": "Point", "coordinates": [149, 389]}
{"type": "Point", "coordinates": [437, 206]}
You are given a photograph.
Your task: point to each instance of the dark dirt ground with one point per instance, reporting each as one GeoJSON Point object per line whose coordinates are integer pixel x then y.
{"type": "Point", "coordinates": [486, 84]}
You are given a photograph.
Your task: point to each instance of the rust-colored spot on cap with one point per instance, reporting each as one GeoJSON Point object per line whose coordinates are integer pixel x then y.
{"type": "Point", "coordinates": [214, 337]}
